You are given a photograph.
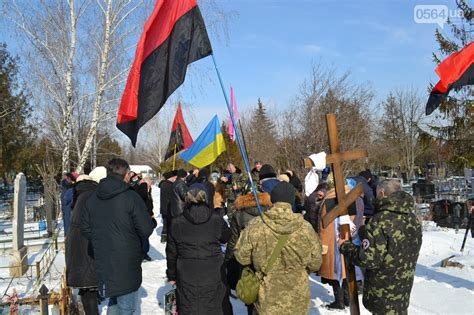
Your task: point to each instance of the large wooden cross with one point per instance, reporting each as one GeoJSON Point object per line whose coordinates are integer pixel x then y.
{"type": "Point", "coordinates": [343, 200]}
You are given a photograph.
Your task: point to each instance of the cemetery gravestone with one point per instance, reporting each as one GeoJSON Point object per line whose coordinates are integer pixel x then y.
{"type": "Point", "coordinates": [20, 253]}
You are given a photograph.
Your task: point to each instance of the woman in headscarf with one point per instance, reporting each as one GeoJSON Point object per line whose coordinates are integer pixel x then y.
{"type": "Point", "coordinates": [194, 257]}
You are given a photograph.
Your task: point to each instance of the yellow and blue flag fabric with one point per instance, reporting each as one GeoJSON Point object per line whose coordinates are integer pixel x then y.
{"type": "Point", "coordinates": [207, 147]}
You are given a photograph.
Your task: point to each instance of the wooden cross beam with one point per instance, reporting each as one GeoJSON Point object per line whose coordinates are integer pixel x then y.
{"type": "Point", "coordinates": [343, 201]}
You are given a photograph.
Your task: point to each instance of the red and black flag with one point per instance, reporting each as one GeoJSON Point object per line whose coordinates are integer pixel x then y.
{"type": "Point", "coordinates": [174, 36]}
{"type": "Point", "coordinates": [454, 72]}
{"type": "Point", "coordinates": [180, 137]}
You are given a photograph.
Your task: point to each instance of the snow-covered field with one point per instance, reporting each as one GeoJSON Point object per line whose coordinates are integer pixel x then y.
{"type": "Point", "coordinates": [436, 290]}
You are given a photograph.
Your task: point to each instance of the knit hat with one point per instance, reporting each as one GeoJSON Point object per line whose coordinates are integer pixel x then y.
{"type": "Point", "coordinates": [283, 192]}
{"type": "Point", "coordinates": [322, 187]}
{"type": "Point", "coordinates": [267, 171]}
{"type": "Point", "coordinates": [182, 173]}
{"type": "Point", "coordinates": [98, 173]}
{"type": "Point", "coordinates": [366, 174]}
{"type": "Point", "coordinates": [203, 173]}
{"type": "Point", "coordinates": [168, 175]}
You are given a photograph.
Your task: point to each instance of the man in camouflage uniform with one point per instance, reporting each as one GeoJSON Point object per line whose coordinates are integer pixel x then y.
{"type": "Point", "coordinates": [285, 288]}
{"type": "Point", "coordinates": [389, 250]}
{"type": "Point", "coordinates": [256, 173]}
{"type": "Point", "coordinates": [236, 184]}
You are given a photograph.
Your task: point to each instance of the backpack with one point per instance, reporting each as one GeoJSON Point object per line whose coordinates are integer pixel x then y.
{"type": "Point", "coordinates": [249, 282]}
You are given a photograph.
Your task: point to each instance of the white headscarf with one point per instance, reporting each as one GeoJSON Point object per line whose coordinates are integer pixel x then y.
{"type": "Point", "coordinates": [311, 180]}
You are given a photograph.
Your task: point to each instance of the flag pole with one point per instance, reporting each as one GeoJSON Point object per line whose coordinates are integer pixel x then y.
{"type": "Point", "coordinates": [247, 166]}
{"type": "Point", "coordinates": [174, 157]}
{"type": "Point", "coordinates": [243, 139]}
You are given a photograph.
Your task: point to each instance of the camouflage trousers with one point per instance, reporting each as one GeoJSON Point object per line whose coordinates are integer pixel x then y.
{"type": "Point", "coordinates": [230, 210]}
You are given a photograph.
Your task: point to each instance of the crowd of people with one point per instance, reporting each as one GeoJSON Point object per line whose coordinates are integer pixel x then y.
{"type": "Point", "coordinates": [216, 228]}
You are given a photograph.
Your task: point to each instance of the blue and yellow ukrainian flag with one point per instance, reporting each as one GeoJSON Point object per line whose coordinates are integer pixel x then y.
{"type": "Point", "coordinates": [207, 147]}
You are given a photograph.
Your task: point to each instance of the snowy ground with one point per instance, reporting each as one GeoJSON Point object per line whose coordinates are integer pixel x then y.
{"type": "Point", "coordinates": [436, 290]}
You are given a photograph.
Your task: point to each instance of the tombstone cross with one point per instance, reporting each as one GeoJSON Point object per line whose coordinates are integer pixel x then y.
{"type": "Point", "coordinates": [343, 201]}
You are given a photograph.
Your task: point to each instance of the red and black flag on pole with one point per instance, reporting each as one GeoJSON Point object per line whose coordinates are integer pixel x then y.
{"type": "Point", "coordinates": [180, 138]}
{"type": "Point", "coordinates": [174, 36]}
{"type": "Point", "coordinates": [454, 72]}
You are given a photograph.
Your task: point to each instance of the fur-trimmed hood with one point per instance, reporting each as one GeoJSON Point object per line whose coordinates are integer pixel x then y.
{"type": "Point", "coordinates": [248, 201]}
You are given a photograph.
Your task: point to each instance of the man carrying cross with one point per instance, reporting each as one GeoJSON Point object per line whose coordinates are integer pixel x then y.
{"type": "Point", "coordinates": [389, 250]}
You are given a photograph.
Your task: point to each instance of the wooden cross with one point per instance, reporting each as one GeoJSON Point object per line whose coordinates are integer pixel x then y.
{"type": "Point", "coordinates": [343, 201]}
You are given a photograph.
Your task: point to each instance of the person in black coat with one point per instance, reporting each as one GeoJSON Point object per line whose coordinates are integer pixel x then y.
{"type": "Point", "coordinates": [365, 177]}
{"type": "Point", "coordinates": [166, 194]}
{"type": "Point", "coordinates": [80, 268]}
{"type": "Point", "coordinates": [203, 178]}
{"type": "Point", "coordinates": [194, 257]}
{"type": "Point", "coordinates": [179, 194]}
{"type": "Point", "coordinates": [296, 182]}
{"type": "Point", "coordinates": [312, 205]}
{"type": "Point", "coordinates": [143, 188]}
{"type": "Point", "coordinates": [115, 220]}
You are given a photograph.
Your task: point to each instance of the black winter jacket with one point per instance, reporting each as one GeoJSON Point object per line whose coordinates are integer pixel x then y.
{"type": "Point", "coordinates": [179, 196]}
{"type": "Point", "coordinates": [80, 268]}
{"type": "Point", "coordinates": [115, 220]}
{"type": "Point", "coordinates": [313, 210]}
{"type": "Point", "coordinates": [145, 193]}
{"type": "Point", "coordinates": [368, 196]}
{"type": "Point", "coordinates": [166, 195]}
{"type": "Point", "coordinates": [195, 260]}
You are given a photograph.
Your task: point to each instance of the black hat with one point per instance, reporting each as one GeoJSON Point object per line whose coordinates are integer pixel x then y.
{"type": "Point", "coordinates": [283, 192]}
{"type": "Point", "coordinates": [203, 173]}
{"type": "Point", "coordinates": [367, 174]}
{"type": "Point", "coordinates": [168, 175]}
{"type": "Point", "coordinates": [174, 173]}
{"type": "Point", "coordinates": [267, 171]}
{"type": "Point", "coordinates": [322, 187]}
{"type": "Point", "coordinates": [182, 173]}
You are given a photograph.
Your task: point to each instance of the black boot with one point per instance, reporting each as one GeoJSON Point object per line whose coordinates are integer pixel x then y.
{"type": "Point", "coordinates": [338, 304]}
{"type": "Point", "coordinates": [345, 289]}
{"type": "Point", "coordinates": [89, 301]}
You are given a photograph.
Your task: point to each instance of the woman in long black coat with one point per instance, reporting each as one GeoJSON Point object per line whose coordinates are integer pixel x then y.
{"type": "Point", "coordinates": [194, 257]}
{"type": "Point", "coordinates": [80, 269]}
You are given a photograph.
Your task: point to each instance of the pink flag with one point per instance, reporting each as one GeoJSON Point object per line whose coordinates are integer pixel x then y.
{"type": "Point", "coordinates": [235, 113]}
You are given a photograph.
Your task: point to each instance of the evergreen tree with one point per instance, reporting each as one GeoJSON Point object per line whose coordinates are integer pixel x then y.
{"type": "Point", "coordinates": [16, 134]}
{"type": "Point", "coordinates": [458, 108]}
{"type": "Point", "coordinates": [231, 154]}
{"type": "Point", "coordinates": [261, 136]}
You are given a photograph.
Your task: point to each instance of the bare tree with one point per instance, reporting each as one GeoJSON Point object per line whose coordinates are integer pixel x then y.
{"type": "Point", "coordinates": [400, 122]}
{"type": "Point", "coordinates": [303, 124]}
{"type": "Point", "coordinates": [114, 13]}
{"type": "Point", "coordinates": [51, 28]}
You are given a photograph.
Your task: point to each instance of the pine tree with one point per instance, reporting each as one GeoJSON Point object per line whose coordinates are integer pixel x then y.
{"type": "Point", "coordinates": [261, 136]}
{"type": "Point", "coordinates": [16, 134]}
{"type": "Point", "coordinates": [458, 108]}
{"type": "Point", "coordinates": [231, 154]}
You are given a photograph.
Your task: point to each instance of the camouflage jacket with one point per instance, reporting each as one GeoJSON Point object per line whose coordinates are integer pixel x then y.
{"type": "Point", "coordinates": [285, 289]}
{"type": "Point", "coordinates": [236, 187]}
{"type": "Point", "coordinates": [390, 246]}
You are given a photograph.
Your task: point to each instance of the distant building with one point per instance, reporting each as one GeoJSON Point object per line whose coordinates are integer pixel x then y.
{"type": "Point", "coordinates": [143, 171]}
